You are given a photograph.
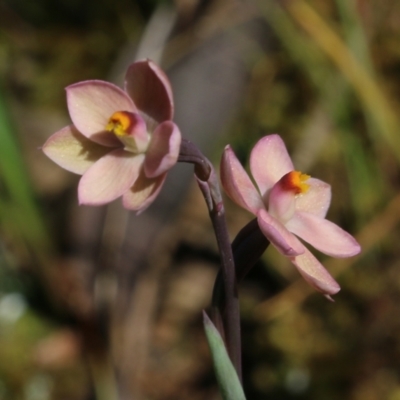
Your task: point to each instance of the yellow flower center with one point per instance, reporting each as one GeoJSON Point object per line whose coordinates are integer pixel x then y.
{"type": "Point", "coordinates": [120, 123]}
{"type": "Point", "coordinates": [295, 181]}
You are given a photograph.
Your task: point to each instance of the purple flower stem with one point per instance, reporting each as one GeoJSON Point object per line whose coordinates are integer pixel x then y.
{"type": "Point", "coordinates": [248, 246]}
{"type": "Point", "coordinates": [229, 314]}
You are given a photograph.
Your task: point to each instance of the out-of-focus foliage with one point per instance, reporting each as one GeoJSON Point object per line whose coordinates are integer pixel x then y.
{"type": "Point", "coordinates": [325, 75]}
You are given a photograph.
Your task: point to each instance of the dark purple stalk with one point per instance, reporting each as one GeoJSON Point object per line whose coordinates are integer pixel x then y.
{"type": "Point", "coordinates": [229, 314]}
{"type": "Point", "coordinates": [248, 246]}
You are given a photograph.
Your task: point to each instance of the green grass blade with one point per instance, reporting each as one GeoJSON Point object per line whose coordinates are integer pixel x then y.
{"type": "Point", "coordinates": [227, 378]}
{"type": "Point", "coordinates": [18, 196]}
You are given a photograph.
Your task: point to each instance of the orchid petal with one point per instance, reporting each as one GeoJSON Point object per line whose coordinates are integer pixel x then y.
{"type": "Point", "coordinates": [315, 273]}
{"type": "Point", "coordinates": [237, 183]}
{"type": "Point", "coordinates": [143, 192]}
{"type": "Point", "coordinates": [109, 177]}
{"type": "Point", "coordinates": [150, 90]}
{"type": "Point", "coordinates": [284, 241]}
{"type": "Point", "coordinates": [138, 132]}
{"type": "Point", "coordinates": [72, 151]}
{"type": "Point", "coordinates": [316, 200]}
{"type": "Point", "coordinates": [324, 235]}
{"type": "Point", "coordinates": [281, 203]}
{"type": "Point", "coordinates": [92, 103]}
{"type": "Point", "coordinates": [269, 161]}
{"type": "Point", "coordinates": [163, 149]}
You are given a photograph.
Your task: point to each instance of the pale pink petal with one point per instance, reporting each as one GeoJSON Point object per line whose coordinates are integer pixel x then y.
{"type": "Point", "coordinates": [324, 235]}
{"type": "Point", "coordinates": [72, 151]}
{"type": "Point", "coordinates": [284, 241]}
{"type": "Point", "coordinates": [150, 90]}
{"type": "Point", "coordinates": [109, 178]}
{"type": "Point", "coordinates": [139, 133]}
{"type": "Point", "coordinates": [269, 161]}
{"type": "Point", "coordinates": [91, 104]}
{"type": "Point", "coordinates": [143, 192]}
{"type": "Point", "coordinates": [237, 183]}
{"type": "Point", "coordinates": [281, 203]}
{"type": "Point", "coordinates": [316, 200]}
{"type": "Point", "coordinates": [163, 150]}
{"type": "Point", "coordinates": [315, 274]}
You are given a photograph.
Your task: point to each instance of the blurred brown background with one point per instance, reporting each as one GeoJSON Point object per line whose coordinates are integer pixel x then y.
{"type": "Point", "coordinates": [96, 303]}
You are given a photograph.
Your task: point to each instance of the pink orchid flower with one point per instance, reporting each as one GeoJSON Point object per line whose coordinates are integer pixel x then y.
{"type": "Point", "coordinates": [288, 203]}
{"type": "Point", "coordinates": [121, 142]}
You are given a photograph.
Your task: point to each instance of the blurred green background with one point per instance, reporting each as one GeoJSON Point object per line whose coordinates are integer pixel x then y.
{"type": "Point", "coordinates": [81, 318]}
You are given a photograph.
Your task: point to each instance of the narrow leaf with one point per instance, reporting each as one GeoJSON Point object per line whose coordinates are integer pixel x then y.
{"type": "Point", "coordinates": [227, 378]}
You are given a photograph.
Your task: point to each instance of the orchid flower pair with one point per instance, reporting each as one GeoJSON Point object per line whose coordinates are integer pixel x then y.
{"type": "Point", "coordinates": [123, 142]}
{"type": "Point", "coordinates": [288, 203]}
